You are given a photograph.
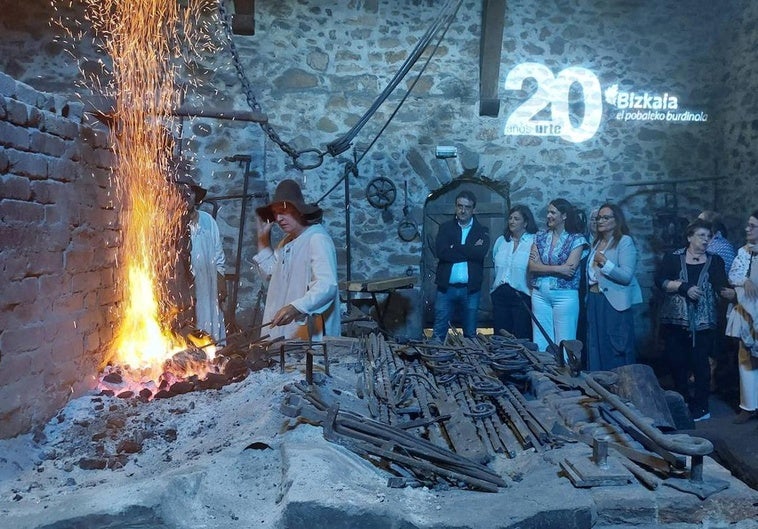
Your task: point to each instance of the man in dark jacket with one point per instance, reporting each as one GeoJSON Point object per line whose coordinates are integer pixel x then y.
{"type": "Point", "coordinates": [461, 246]}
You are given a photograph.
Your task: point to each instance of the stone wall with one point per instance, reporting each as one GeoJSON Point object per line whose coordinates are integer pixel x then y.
{"type": "Point", "coordinates": [315, 67]}
{"type": "Point", "coordinates": [58, 244]}
{"type": "Point", "coordinates": [738, 161]}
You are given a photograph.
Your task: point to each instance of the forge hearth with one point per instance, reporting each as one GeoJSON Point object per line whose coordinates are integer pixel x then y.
{"type": "Point", "coordinates": [230, 457]}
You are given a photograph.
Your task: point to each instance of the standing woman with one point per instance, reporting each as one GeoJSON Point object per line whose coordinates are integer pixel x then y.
{"type": "Point", "coordinates": [612, 290]}
{"type": "Point", "coordinates": [554, 265]}
{"type": "Point", "coordinates": [510, 289]}
{"type": "Point", "coordinates": [743, 322]}
{"type": "Point", "coordinates": [691, 280]}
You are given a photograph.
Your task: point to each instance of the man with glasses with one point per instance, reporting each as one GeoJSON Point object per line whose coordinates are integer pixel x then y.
{"type": "Point", "coordinates": [461, 245]}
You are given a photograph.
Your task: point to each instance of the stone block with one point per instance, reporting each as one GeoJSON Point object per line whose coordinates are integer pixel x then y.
{"type": "Point", "coordinates": [45, 143]}
{"type": "Point", "coordinates": [7, 85]}
{"type": "Point", "coordinates": [59, 331]}
{"type": "Point", "coordinates": [45, 262]}
{"type": "Point", "coordinates": [21, 315]}
{"type": "Point", "coordinates": [66, 348]}
{"type": "Point", "coordinates": [29, 95]}
{"type": "Point", "coordinates": [73, 110]}
{"type": "Point", "coordinates": [17, 112]}
{"type": "Point", "coordinates": [15, 366]}
{"type": "Point", "coordinates": [107, 257]}
{"type": "Point", "coordinates": [63, 170]}
{"type": "Point", "coordinates": [14, 136]}
{"type": "Point", "coordinates": [14, 418]}
{"type": "Point", "coordinates": [295, 79]}
{"type": "Point", "coordinates": [47, 191]}
{"type": "Point", "coordinates": [4, 162]}
{"type": "Point", "coordinates": [14, 264]}
{"type": "Point", "coordinates": [12, 186]}
{"type": "Point", "coordinates": [96, 135]}
{"type": "Point", "coordinates": [89, 322]}
{"type": "Point", "coordinates": [101, 218]}
{"type": "Point", "coordinates": [23, 338]}
{"type": "Point", "coordinates": [629, 504]}
{"type": "Point", "coordinates": [55, 214]}
{"type": "Point", "coordinates": [27, 164]}
{"type": "Point", "coordinates": [85, 281]}
{"type": "Point", "coordinates": [109, 295]}
{"type": "Point", "coordinates": [59, 126]}
{"type": "Point", "coordinates": [12, 238]}
{"type": "Point", "coordinates": [35, 117]}
{"type": "Point", "coordinates": [112, 238]}
{"type": "Point", "coordinates": [78, 260]}
{"type": "Point", "coordinates": [19, 211]}
{"type": "Point", "coordinates": [18, 292]}
{"type": "Point", "coordinates": [92, 342]}
{"type": "Point", "coordinates": [104, 176]}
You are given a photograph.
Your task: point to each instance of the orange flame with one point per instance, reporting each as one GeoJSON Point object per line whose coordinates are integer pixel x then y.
{"type": "Point", "coordinates": [142, 38]}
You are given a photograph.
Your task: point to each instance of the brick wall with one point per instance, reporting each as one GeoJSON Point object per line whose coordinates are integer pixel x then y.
{"type": "Point", "coordinates": [58, 244]}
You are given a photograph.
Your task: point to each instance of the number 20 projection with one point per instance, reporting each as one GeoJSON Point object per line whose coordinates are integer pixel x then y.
{"type": "Point", "coordinates": [547, 111]}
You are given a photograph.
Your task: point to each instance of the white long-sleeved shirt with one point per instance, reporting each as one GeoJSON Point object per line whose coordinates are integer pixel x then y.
{"type": "Point", "coordinates": [302, 272]}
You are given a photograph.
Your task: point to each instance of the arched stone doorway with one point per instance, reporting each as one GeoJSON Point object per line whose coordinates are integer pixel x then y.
{"type": "Point", "coordinates": [493, 201]}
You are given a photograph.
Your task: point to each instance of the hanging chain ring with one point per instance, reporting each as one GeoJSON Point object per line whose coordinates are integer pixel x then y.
{"type": "Point", "coordinates": [314, 156]}
{"type": "Point", "coordinates": [407, 230]}
{"type": "Point", "coordinates": [252, 102]}
{"type": "Point", "coordinates": [381, 192]}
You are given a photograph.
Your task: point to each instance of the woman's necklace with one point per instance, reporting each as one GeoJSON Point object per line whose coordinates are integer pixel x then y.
{"type": "Point", "coordinates": [695, 257]}
{"type": "Point", "coordinates": [602, 244]}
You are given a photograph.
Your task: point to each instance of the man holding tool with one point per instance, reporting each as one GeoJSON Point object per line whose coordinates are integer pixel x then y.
{"type": "Point", "coordinates": [301, 270]}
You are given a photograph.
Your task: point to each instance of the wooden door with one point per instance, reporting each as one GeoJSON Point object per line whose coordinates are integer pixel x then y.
{"type": "Point", "coordinates": [491, 206]}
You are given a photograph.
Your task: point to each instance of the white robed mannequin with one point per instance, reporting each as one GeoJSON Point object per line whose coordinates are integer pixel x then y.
{"type": "Point", "coordinates": [207, 262]}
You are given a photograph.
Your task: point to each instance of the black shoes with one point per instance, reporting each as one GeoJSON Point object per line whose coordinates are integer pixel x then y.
{"type": "Point", "coordinates": [744, 416]}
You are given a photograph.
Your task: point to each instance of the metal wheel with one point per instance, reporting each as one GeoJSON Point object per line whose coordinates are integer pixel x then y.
{"type": "Point", "coordinates": [381, 192]}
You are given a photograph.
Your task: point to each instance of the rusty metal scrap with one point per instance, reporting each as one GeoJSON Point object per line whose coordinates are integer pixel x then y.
{"type": "Point", "coordinates": [434, 412]}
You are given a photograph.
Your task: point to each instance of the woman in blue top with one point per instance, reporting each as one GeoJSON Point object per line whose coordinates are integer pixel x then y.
{"type": "Point", "coordinates": [510, 289]}
{"type": "Point", "coordinates": [612, 290]}
{"type": "Point", "coordinates": [554, 265]}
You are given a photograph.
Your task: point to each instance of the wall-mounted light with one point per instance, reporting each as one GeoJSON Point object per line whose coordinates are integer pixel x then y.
{"type": "Point", "coordinates": [446, 151]}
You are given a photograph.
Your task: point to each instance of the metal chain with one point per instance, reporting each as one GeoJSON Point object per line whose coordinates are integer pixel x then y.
{"type": "Point", "coordinates": [253, 102]}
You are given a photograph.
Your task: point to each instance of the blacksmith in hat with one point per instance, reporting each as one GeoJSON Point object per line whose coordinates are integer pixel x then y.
{"type": "Point", "coordinates": [301, 270]}
{"type": "Point", "coordinates": [207, 263]}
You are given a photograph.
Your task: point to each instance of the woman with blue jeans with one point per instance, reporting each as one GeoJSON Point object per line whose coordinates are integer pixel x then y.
{"type": "Point", "coordinates": [554, 266]}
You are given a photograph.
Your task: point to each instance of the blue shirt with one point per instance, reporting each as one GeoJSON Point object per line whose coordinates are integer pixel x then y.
{"type": "Point", "coordinates": [459, 271]}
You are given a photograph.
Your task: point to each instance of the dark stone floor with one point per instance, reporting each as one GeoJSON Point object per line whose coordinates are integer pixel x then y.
{"type": "Point", "coordinates": [734, 444]}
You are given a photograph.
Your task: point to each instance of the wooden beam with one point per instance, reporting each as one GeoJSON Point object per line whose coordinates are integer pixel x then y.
{"type": "Point", "coordinates": [493, 21]}
{"type": "Point", "coordinates": [243, 20]}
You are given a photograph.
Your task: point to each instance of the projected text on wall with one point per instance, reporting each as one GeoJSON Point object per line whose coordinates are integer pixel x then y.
{"type": "Point", "coordinates": [569, 104]}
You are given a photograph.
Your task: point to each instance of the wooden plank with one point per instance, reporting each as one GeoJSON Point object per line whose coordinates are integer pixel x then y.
{"type": "Point", "coordinates": [379, 285]}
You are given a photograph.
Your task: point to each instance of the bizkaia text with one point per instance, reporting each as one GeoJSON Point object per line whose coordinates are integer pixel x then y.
{"type": "Point", "coordinates": [646, 101]}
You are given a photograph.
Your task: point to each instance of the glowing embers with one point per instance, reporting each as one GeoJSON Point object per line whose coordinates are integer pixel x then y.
{"type": "Point", "coordinates": [192, 369]}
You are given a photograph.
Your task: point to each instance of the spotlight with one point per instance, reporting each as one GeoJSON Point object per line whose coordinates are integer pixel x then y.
{"type": "Point", "coordinates": [446, 151]}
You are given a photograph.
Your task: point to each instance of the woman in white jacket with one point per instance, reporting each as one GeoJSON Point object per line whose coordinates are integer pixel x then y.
{"type": "Point", "coordinates": [612, 290]}
{"type": "Point", "coordinates": [743, 322]}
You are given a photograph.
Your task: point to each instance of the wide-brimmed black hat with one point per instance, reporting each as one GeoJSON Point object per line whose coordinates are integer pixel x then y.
{"type": "Point", "coordinates": [199, 190]}
{"type": "Point", "coordinates": [181, 176]}
{"type": "Point", "coordinates": [289, 194]}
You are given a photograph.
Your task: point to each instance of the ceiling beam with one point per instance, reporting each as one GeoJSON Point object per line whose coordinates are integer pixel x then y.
{"type": "Point", "coordinates": [243, 20]}
{"type": "Point", "coordinates": [493, 21]}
